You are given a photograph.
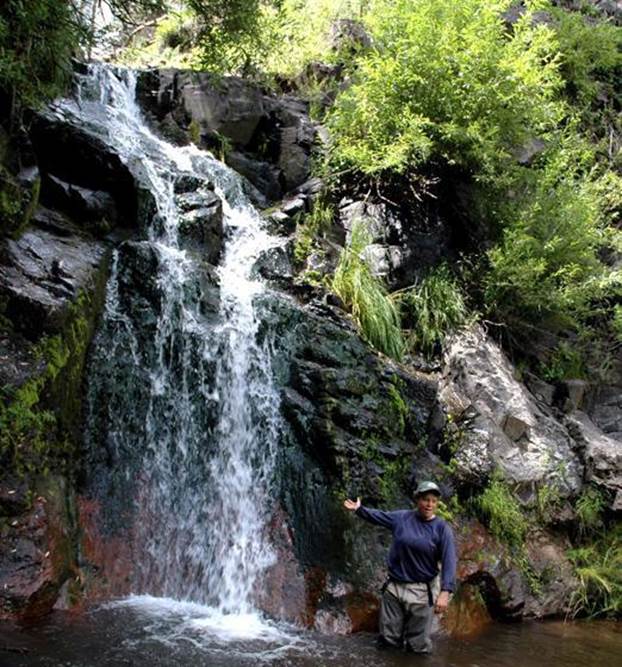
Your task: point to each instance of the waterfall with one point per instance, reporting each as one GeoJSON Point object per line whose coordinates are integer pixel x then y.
{"type": "Point", "coordinates": [183, 416]}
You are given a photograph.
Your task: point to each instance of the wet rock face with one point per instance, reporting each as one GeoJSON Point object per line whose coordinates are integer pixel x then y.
{"type": "Point", "coordinates": [354, 427]}
{"type": "Point", "coordinates": [106, 559]}
{"type": "Point", "coordinates": [487, 566]}
{"type": "Point", "coordinates": [268, 139]}
{"type": "Point", "coordinates": [36, 553]}
{"type": "Point", "coordinates": [43, 272]}
{"type": "Point", "coordinates": [504, 427]}
{"type": "Point", "coordinates": [83, 176]}
{"type": "Point", "coordinates": [467, 615]}
{"type": "Point", "coordinates": [343, 400]}
{"type": "Point", "coordinates": [606, 409]}
{"type": "Point", "coordinates": [201, 224]}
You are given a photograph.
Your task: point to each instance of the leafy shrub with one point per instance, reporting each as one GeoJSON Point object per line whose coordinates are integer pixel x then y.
{"type": "Point", "coordinates": [433, 307]}
{"type": "Point", "coordinates": [303, 30]}
{"type": "Point", "coordinates": [547, 267]}
{"type": "Point", "coordinates": [446, 80]}
{"type": "Point", "coordinates": [590, 53]}
{"type": "Point", "coordinates": [37, 40]}
{"type": "Point", "coordinates": [364, 294]}
{"type": "Point", "coordinates": [616, 323]}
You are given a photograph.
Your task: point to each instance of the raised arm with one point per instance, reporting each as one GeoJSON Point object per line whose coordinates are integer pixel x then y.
{"type": "Point", "coordinates": [377, 517]}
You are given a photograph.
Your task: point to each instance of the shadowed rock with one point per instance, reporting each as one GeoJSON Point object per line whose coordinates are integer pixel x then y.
{"type": "Point", "coordinates": [42, 273]}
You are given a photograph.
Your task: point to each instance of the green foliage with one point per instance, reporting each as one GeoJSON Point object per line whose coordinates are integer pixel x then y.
{"type": "Point", "coordinates": [566, 363]}
{"type": "Point", "coordinates": [391, 481]}
{"type": "Point", "coordinates": [173, 43]}
{"type": "Point", "coordinates": [449, 510]}
{"type": "Point", "coordinates": [502, 513]}
{"type": "Point", "coordinates": [616, 322]}
{"type": "Point", "coordinates": [24, 428]}
{"type": "Point", "coordinates": [175, 31]}
{"type": "Point", "coordinates": [590, 54]}
{"type": "Point", "coordinates": [431, 309]}
{"type": "Point", "coordinates": [37, 40]}
{"type": "Point", "coordinates": [446, 80]}
{"type": "Point", "coordinates": [399, 409]}
{"type": "Point", "coordinates": [548, 501]}
{"type": "Point", "coordinates": [234, 35]}
{"type": "Point", "coordinates": [589, 508]}
{"type": "Point", "coordinates": [311, 227]}
{"type": "Point", "coordinates": [194, 131]}
{"type": "Point", "coordinates": [303, 33]}
{"type": "Point", "coordinates": [364, 294]}
{"type": "Point", "coordinates": [548, 267]}
{"type": "Point", "coordinates": [17, 204]}
{"type": "Point", "coordinates": [598, 566]}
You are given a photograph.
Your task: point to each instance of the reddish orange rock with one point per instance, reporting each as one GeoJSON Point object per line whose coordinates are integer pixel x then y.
{"type": "Point", "coordinates": [467, 615]}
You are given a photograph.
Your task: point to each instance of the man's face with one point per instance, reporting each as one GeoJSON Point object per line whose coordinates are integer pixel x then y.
{"type": "Point", "coordinates": [427, 504]}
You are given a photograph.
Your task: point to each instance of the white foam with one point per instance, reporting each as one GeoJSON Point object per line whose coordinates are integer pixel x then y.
{"type": "Point", "coordinates": [194, 616]}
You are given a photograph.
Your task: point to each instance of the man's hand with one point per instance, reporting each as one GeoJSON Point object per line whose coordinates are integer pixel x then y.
{"type": "Point", "coordinates": [352, 505]}
{"type": "Point", "coordinates": [441, 602]}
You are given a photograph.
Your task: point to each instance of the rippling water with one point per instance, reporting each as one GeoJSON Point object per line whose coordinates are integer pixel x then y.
{"type": "Point", "coordinates": [146, 631]}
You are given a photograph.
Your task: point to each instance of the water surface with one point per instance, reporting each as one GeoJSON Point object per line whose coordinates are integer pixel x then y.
{"type": "Point", "coordinates": [146, 631]}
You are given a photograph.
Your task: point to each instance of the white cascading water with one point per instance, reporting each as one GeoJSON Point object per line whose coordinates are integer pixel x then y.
{"type": "Point", "coordinates": [201, 482]}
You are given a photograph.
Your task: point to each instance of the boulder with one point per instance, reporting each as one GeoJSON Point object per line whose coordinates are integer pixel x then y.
{"type": "Point", "coordinates": [298, 136]}
{"type": "Point", "coordinates": [230, 106]}
{"type": "Point", "coordinates": [374, 217]}
{"type": "Point", "coordinates": [602, 454]}
{"type": "Point", "coordinates": [404, 245]}
{"type": "Point", "coordinates": [606, 410]}
{"type": "Point", "coordinates": [350, 35]}
{"type": "Point", "coordinates": [42, 273]}
{"type": "Point", "coordinates": [549, 562]}
{"type": "Point", "coordinates": [503, 425]}
{"type": "Point", "coordinates": [82, 204]}
{"type": "Point", "coordinates": [274, 264]}
{"type": "Point", "coordinates": [201, 223]}
{"type": "Point", "coordinates": [85, 160]}
{"type": "Point", "coordinates": [263, 175]}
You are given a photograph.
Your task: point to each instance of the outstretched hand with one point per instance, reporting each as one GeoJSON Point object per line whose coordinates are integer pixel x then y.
{"type": "Point", "coordinates": [352, 505]}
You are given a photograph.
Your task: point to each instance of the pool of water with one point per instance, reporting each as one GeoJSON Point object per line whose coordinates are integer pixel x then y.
{"type": "Point", "coordinates": [144, 631]}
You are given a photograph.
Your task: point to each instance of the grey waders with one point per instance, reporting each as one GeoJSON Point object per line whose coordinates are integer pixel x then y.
{"type": "Point", "coordinates": [406, 614]}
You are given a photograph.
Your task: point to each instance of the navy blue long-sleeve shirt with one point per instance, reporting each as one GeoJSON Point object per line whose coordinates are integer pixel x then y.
{"type": "Point", "coordinates": [418, 546]}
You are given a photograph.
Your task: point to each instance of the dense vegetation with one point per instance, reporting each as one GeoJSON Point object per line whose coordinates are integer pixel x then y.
{"type": "Point", "coordinates": [524, 105]}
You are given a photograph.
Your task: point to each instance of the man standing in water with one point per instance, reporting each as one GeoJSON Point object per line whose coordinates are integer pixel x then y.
{"type": "Point", "coordinates": [413, 591]}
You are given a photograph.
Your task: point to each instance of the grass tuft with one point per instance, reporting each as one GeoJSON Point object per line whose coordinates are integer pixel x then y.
{"type": "Point", "coordinates": [364, 294]}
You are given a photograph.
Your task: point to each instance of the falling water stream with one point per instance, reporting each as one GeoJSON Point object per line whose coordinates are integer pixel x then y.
{"type": "Point", "coordinates": [181, 396]}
